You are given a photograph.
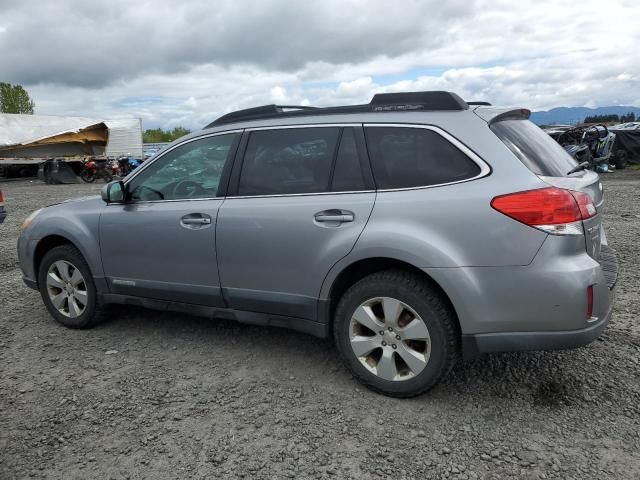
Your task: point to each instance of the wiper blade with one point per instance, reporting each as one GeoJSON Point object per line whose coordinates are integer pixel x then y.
{"type": "Point", "coordinates": [577, 168]}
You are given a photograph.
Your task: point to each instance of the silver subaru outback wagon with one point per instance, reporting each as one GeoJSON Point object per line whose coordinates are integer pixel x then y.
{"type": "Point", "coordinates": [413, 230]}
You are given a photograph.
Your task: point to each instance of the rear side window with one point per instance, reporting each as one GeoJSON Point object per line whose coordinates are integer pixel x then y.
{"type": "Point", "coordinates": [287, 161]}
{"type": "Point", "coordinates": [405, 157]}
{"type": "Point", "coordinates": [347, 175]}
{"type": "Point", "coordinates": [533, 147]}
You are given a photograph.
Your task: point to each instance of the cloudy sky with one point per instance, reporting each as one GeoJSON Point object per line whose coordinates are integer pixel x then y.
{"type": "Point", "coordinates": [185, 63]}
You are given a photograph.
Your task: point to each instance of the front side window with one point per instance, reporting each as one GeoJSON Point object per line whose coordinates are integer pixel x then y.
{"type": "Point", "coordinates": [288, 161]}
{"type": "Point", "coordinates": [192, 170]}
{"type": "Point", "coordinates": [405, 157]}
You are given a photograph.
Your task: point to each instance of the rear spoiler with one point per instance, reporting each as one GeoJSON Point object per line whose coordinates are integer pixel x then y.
{"type": "Point", "coordinates": [492, 115]}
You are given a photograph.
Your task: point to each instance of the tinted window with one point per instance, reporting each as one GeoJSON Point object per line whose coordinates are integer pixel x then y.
{"type": "Point", "coordinates": [192, 170]}
{"type": "Point", "coordinates": [403, 157]}
{"type": "Point", "coordinates": [347, 175]}
{"type": "Point", "coordinates": [285, 161]}
{"type": "Point", "coordinates": [537, 150]}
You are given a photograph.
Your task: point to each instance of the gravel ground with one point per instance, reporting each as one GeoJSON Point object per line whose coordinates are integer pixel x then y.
{"type": "Point", "coordinates": [161, 395]}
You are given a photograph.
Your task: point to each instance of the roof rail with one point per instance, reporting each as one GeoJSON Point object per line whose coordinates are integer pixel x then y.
{"type": "Point", "coordinates": [381, 102]}
{"type": "Point", "coordinates": [296, 107]}
{"type": "Point", "coordinates": [263, 111]}
{"type": "Point", "coordinates": [420, 100]}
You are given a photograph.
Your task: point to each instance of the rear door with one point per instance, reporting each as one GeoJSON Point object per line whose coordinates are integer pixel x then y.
{"type": "Point", "coordinates": [298, 201]}
{"type": "Point", "coordinates": [547, 159]}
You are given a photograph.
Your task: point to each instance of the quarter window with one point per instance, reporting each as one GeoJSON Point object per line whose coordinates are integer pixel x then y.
{"type": "Point", "coordinates": [533, 147]}
{"type": "Point", "coordinates": [192, 170]}
{"type": "Point", "coordinates": [405, 157]}
{"type": "Point", "coordinates": [288, 161]}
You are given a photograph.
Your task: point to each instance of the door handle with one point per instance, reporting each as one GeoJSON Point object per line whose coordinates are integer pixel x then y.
{"type": "Point", "coordinates": [340, 216]}
{"type": "Point", "coordinates": [194, 219]}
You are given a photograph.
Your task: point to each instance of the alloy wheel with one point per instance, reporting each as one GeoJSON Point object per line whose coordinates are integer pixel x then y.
{"type": "Point", "coordinates": [67, 288]}
{"type": "Point", "coordinates": [390, 339]}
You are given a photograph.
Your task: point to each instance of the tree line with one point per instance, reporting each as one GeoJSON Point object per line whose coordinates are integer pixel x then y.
{"type": "Point", "coordinates": [629, 117]}
{"type": "Point", "coordinates": [15, 99]}
{"type": "Point", "coordinates": [158, 135]}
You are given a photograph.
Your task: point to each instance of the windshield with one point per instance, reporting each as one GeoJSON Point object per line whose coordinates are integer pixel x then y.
{"type": "Point", "coordinates": [536, 149]}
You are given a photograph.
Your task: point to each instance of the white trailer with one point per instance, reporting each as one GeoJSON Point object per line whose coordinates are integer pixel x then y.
{"type": "Point", "coordinates": [32, 139]}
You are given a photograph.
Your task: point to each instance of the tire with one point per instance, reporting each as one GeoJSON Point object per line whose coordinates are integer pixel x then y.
{"type": "Point", "coordinates": [107, 178]}
{"type": "Point", "coordinates": [418, 301]}
{"type": "Point", "coordinates": [87, 175]}
{"type": "Point", "coordinates": [53, 286]}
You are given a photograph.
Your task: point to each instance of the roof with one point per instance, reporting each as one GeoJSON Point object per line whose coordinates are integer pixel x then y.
{"type": "Point", "coordinates": [16, 129]}
{"type": "Point", "coordinates": [122, 136]}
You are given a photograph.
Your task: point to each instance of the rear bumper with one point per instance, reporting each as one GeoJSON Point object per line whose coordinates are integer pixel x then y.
{"type": "Point", "coordinates": [475, 344]}
{"type": "Point", "coordinates": [541, 306]}
{"type": "Point", "coordinates": [609, 264]}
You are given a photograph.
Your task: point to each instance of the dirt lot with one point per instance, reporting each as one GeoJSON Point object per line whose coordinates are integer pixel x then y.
{"type": "Point", "coordinates": [154, 395]}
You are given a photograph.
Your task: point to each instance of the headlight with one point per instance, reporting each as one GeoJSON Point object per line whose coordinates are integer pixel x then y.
{"type": "Point", "coordinates": [28, 220]}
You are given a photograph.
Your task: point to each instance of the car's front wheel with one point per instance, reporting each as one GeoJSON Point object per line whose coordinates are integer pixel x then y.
{"type": "Point", "coordinates": [396, 333]}
{"type": "Point", "coordinates": [67, 287]}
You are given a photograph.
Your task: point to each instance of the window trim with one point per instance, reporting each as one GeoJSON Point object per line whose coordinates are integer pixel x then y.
{"type": "Point", "coordinates": [223, 178]}
{"type": "Point", "coordinates": [235, 162]}
{"type": "Point", "coordinates": [485, 169]}
{"type": "Point", "coordinates": [232, 192]}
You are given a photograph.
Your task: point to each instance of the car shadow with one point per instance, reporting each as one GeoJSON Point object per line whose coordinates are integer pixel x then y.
{"type": "Point", "coordinates": [543, 379]}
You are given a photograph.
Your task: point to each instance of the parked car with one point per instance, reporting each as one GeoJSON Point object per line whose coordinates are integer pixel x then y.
{"type": "Point", "coordinates": [3, 212]}
{"type": "Point", "coordinates": [411, 230]}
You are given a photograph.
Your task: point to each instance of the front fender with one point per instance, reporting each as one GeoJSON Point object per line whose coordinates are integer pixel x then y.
{"type": "Point", "coordinates": [77, 222]}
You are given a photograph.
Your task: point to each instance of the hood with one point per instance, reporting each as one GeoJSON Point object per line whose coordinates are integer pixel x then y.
{"type": "Point", "coordinates": [72, 201]}
{"type": "Point", "coordinates": [81, 199]}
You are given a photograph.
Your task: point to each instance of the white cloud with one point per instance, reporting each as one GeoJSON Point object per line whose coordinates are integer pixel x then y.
{"type": "Point", "coordinates": [173, 63]}
{"type": "Point", "coordinates": [279, 95]}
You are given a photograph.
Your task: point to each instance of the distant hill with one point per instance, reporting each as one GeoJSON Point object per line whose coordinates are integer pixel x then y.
{"type": "Point", "coordinates": [571, 115]}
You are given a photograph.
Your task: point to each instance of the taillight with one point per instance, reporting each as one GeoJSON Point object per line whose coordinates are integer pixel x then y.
{"type": "Point", "coordinates": [1, 197]}
{"type": "Point", "coordinates": [590, 301]}
{"type": "Point", "coordinates": [551, 209]}
{"type": "Point", "coordinates": [587, 208]}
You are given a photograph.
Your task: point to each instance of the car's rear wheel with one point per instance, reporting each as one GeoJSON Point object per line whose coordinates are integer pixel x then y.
{"type": "Point", "coordinates": [396, 333]}
{"type": "Point", "coordinates": [67, 287]}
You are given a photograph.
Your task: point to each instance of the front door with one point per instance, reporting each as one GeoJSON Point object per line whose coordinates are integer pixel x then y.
{"type": "Point", "coordinates": [160, 243]}
{"type": "Point", "coordinates": [301, 200]}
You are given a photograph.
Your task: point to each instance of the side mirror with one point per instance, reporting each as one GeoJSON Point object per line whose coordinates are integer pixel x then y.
{"type": "Point", "coordinates": [113, 192]}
